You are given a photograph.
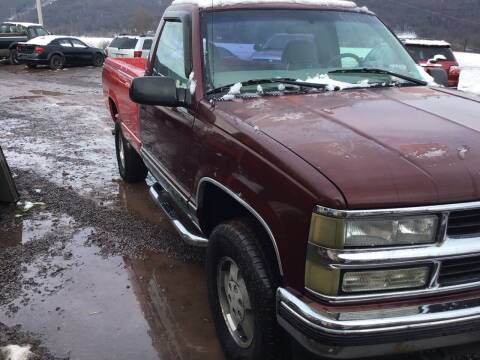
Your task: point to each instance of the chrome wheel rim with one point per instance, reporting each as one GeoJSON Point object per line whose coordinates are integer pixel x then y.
{"type": "Point", "coordinates": [235, 302]}
{"type": "Point", "coordinates": [121, 151]}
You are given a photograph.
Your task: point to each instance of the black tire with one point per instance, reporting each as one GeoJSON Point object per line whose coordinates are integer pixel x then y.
{"type": "Point", "coordinates": [132, 168]}
{"type": "Point", "coordinates": [56, 62]}
{"type": "Point", "coordinates": [238, 240]}
{"type": "Point", "coordinates": [98, 60]}
{"type": "Point", "coordinates": [12, 59]}
{"type": "Point", "coordinates": [32, 66]}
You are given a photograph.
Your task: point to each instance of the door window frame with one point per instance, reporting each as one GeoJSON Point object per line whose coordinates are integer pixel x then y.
{"type": "Point", "coordinates": [185, 19]}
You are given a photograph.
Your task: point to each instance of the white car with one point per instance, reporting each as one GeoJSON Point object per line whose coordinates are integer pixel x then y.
{"type": "Point", "coordinates": [130, 46]}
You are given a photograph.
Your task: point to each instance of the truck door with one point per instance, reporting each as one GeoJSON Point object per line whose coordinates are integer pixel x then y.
{"type": "Point", "coordinates": [167, 132]}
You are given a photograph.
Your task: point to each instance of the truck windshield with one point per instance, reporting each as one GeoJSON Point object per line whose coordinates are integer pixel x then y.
{"type": "Point", "coordinates": [243, 45]}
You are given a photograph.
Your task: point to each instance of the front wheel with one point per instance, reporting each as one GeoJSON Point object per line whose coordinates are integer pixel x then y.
{"type": "Point", "coordinates": [56, 62]}
{"type": "Point", "coordinates": [130, 165]}
{"type": "Point", "coordinates": [13, 59]}
{"type": "Point", "coordinates": [98, 60]}
{"type": "Point", "coordinates": [241, 292]}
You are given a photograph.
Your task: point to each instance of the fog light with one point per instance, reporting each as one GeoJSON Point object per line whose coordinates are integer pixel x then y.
{"type": "Point", "coordinates": [384, 280]}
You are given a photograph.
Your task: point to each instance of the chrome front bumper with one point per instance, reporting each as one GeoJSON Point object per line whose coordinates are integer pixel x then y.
{"type": "Point", "coordinates": [357, 334]}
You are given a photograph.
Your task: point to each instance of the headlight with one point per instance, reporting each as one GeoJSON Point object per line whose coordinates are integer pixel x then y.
{"type": "Point", "coordinates": [385, 280]}
{"type": "Point", "coordinates": [403, 231]}
{"type": "Point", "coordinates": [369, 232]}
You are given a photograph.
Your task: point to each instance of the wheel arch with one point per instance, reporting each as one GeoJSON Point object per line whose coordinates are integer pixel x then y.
{"type": "Point", "coordinates": [206, 185]}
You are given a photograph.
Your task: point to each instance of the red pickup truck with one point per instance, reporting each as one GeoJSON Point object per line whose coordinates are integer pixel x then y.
{"type": "Point", "coordinates": [435, 53]}
{"type": "Point", "coordinates": [338, 194]}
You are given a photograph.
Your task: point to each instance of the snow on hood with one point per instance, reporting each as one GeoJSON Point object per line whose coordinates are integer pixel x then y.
{"type": "Point", "coordinates": [217, 3]}
{"type": "Point", "coordinates": [424, 42]}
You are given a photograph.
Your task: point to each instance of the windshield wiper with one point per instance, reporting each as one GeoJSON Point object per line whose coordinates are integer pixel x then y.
{"type": "Point", "coordinates": [288, 81]}
{"type": "Point", "coordinates": [378, 71]}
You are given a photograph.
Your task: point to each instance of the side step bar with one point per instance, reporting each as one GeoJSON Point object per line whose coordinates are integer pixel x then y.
{"type": "Point", "coordinates": [161, 198]}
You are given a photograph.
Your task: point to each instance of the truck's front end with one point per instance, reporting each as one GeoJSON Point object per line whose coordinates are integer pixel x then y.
{"type": "Point", "coordinates": [388, 281]}
{"type": "Point", "coordinates": [335, 87]}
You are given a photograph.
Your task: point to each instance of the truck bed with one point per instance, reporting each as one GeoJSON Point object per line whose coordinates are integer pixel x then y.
{"type": "Point", "coordinates": [118, 74]}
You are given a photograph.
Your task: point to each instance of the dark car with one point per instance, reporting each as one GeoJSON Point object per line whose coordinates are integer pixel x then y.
{"type": "Point", "coordinates": [57, 52]}
{"type": "Point", "coordinates": [11, 33]}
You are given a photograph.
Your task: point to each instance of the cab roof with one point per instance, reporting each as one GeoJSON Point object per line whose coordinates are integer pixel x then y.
{"type": "Point", "coordinates": [26, 24]}
{"type": "Point", "coordinates": [336, 4]}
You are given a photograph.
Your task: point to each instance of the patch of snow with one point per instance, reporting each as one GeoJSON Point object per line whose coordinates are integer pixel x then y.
{"type": "Point", "coordinates": [26, 24]}
{"type": "Point", "coordinates": [433, 153]}
{"type": "Point", "coordinates": [28, 205]}
{"type": "Point", "coordinates": [425, 42]}
{"type": "Point", "coordinates": [234, 90]}
{"type": "Point", "coordinates": [218, 3]}
{"type": "Point", "coordinates": [15, 352]}
{"type": "Point", "coordinates": [330, 84]}
{"type": "Point", "coordinates": [468, 59]}
{"type": "Point", "coordinates": [192, 84]}
{"type": "Point", "coordinates": [98, 42]}
{"type": "Point", "coordinates": [470, 72]}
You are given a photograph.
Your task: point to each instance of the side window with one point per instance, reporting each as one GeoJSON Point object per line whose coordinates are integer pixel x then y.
{"type": "Point", "coordinates": [147, 45]}
{"type": "Point", "coordinates": [13, 29]}
{"type": "Point", "coordinates": [64, 43]}
{"type": "Point", "coordinates": [78, 44]}
{"type": "Point", "coordinates": [31, 32]}
{"type": "Point", "coordinates": [169, 58]}
{"type": "Point", "coordinates": [21, 29]}
{"type": "Point", "coordinates": [4, 29]}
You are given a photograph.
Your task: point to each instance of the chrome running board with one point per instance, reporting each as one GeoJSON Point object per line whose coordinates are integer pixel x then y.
{"type": "Point", "coordinates": [161, 198]}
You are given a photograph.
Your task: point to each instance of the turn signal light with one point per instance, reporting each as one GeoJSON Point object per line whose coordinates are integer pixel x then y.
{"type": "Point", "coordinates": [38, 49]}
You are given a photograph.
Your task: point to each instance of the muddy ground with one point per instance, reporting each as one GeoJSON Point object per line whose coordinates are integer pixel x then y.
{"type": "Point", "coordinates": [89, 267]}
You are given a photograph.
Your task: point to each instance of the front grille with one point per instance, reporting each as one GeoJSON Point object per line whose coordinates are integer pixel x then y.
{"type": "Point", "coordinates": [459, 271]}
{"type": "Point", "coordinates": [464, 223]}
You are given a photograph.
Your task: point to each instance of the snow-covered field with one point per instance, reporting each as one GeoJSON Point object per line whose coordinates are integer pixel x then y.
{"type": "Point", "coordinates": [97, 42]}
{"type": "Point", "coordinates": [470, 74]}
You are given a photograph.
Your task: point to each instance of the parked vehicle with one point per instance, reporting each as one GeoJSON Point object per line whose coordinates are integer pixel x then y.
{"type": "Point", "coordinates": [130, 46]}
{"type": "Point", "coordinates": [8, 191]}
{"type": "Point", "coordinates": [338, 202]}
{"type": "Point", "coordinates": [12, 33]}
{"type": "Point", "coordinates": [57, 52]}
{"type": "Point", "coordinates": [434, 53]}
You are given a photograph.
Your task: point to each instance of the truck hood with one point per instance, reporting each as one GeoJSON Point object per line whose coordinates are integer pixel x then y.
{"type": "Point", "coordinates": [381, 147]}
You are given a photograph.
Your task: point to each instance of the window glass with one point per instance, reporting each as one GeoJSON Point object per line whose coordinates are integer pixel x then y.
{"type": "Point", "coordinates": [78, 44]}
{"type": "Point", "coordinates": [4, 29]}
{"type": "Point", "coordinates": [40, 31]}
{"type": "Point", "coordinates": [13, 29]}
{"type": "Point", "coordinates": [147, 45]}
{"type": "Point", "coordinates": [32, 33]}
{"type": "Point", "coordinates": [242, 45]}
{"type": "Point", "coordinates": [169, 58]}
{"type": "Point", "coordinates": [428, 52]}
{"type": "Point", "coordinates": [124, 43]}
{"type": "Point", "coordinates": [64, 43]}
{"type": "Point", "coordinates": [21, 29]}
